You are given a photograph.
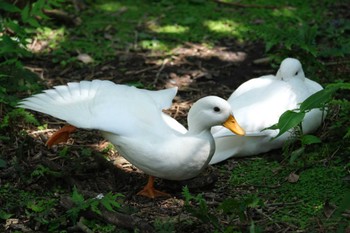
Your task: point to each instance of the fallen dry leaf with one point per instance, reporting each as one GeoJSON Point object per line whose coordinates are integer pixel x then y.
{"type": "Point", "coordinates": [293, 178]}
{"type": "Point", "coordinates": [85, 58]}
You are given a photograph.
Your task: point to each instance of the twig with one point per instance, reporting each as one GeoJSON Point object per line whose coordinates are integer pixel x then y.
{"type": "Point", "coordinates": [165, 61]}
{"type": "Point", "coordinates": [116, 218]}
{"type": "Point", "coordinates": [336, 63]}
{"type": "Point", "coordinates": [141, 71]}
{"type": "Point", "coordinates": [283, 204]}
{"type": "Point", "coordinates": [83, 227]}
{"type": "Point", "coordinates": [259, 211]}
{"type": "Point", "coordinates": [237, 4]}
{"type": "Point", "coordinates": [42, 131]}
{"type": "Point", "coordinates": [262, 61]}
{"type": "Point", "coordinates": [260, 186]}
{"type": "Point", "coordinates": [63, 17]}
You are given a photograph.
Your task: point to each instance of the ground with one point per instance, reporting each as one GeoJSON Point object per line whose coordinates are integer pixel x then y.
{"type": "Point", "coordinates": [55, 189]}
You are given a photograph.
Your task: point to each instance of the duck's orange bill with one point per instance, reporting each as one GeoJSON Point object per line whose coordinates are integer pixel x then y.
{"type": "Point", "coordinates": [232, 125]}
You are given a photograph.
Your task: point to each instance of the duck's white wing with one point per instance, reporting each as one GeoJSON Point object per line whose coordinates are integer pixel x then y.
{"type": "Point", "coordinates": [105, 106]}
{"type": "Point", "coordinates": [261, 106]}
{"type": "Point", "coordinates": [261, 82]}
{"type": "Point", "coordinates": [240, 146]}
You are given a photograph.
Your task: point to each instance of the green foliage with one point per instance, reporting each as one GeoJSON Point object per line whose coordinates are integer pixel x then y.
{"type": "Point", "coordinates": [230, 207]}
{"type": "Point", "coordinates": [288, 120]}
{"type": "Point", "coordinates": [237, 207]}
{"type": "Point", "coordinates": [34, 205]}
{"type": "Point", "coordinates": [164, 226]}
{"type": "Point", "coordinates": [202, 210]}
{"type": "Point", "coordinates": [3, 163]}
{"type": "Point", "coordinates": [17, 114]}
{"type": "Point", "coordinates": [42, 171]}
{"type": "Point", "coordinates": [64, 151]}
{"type": "Point", "coordinates": [316, 186]}
{"type": "Point", "coordinates": [108, 201]}
{"type": "Point", "coordinates": [14, 81]}
{"type": "Point", "coordinates": [4, 215]}
{"type": "Point", "coordinates": [13, 43]}
{"type": "Point", "coordinates": [291, 120]}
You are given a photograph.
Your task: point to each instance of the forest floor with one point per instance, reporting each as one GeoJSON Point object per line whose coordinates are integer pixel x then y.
{"type": "Point", "coordinates": [50, 174]}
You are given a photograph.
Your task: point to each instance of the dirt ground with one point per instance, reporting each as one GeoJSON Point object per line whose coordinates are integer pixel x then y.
{"type": "Point", "coordinates": [197, 71]}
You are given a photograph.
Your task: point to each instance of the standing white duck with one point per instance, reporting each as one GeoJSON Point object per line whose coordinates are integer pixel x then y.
{"type": "Point", "coordinates": [258, 104]}
{"type": "Point", "coordinates": [132, 119]}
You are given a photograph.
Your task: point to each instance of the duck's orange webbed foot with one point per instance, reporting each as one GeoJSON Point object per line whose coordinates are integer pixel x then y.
{"type": "Point", "coordinates": [61, 135]}
{"type": "Point", "coordinates": [149, 190]}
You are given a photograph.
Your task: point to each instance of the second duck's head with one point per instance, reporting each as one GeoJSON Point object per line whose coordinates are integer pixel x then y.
{"type": "Point", "coordinates": [290, 69]}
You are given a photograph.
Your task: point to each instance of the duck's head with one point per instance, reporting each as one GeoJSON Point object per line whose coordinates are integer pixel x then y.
{"type": "Point", "coordinates": [290, 69]}
{"type": "Point", "coordinates": [211, 111]}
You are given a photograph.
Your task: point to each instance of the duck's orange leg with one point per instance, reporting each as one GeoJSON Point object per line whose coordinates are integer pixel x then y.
{"type": "Point", "coordinates": [149, 191]}
{"type": "Point", "coordinates": [61, 135]}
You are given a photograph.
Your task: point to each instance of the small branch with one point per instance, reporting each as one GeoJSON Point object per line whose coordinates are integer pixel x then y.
{"type": "Point", "coordinates": [237, 4]}
{"type": "Point", "coordinates": [63, 17]}
{"type": "Point", "coordinates": [260, 186]}
{"type": "Point", "coordinates": [283, 204]}
{"type": "Point", "coordinates": [141, 71]}
{"type": "Point", "coordinates": [115, 218]}
{"type": "Point", "coordinates": [83, 227]}
{"type": "Point", "coordinates": [333, 63]}
{"type": "Point", "coordinates": [165, 61]}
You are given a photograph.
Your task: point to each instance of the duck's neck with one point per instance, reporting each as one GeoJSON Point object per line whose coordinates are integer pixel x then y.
{"type": "Point", "coordinates": [199, 132]}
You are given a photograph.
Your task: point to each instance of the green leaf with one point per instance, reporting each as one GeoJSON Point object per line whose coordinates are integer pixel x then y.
{"type": "Point", "coordinates": [316, 100]}
{"type": "Point", "coordinates": [321, 98]}
{"type": "Point", "coordinates": [94, 207]}
{"type": "Point", "coordinates": [4, 215]}
{"type": "Point", "coordinates": [338, 85]}
{"type": "Point", "coordinates": [3, 163]}
{"type": "Point", "coordinates": [25, 13]}
{"type": "Point", "coordinates": [296, 154]}
{"type": "Point", "coordinates": [344, 204]}
{"type": "Point", "coordinates": [310, 139]}
{"type": "Point", "coordinates": [33, 22]}
{"type": "Point", "coordinates": [188, 196]}
{"type": "Point", "coordinates": [37, 206]}
{"type": "Point", "coordinates": [288, 120]}
{"type": "Point", "coordinates": [109, 201]}
{"type": "Point", "coordinates": [9, 7]}
{"type": "Point", "coordinates": [77, 197]}
{"type": "Point", "coordinates": [230, 205]}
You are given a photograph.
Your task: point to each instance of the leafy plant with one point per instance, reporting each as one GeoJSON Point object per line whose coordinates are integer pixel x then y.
{"type": "Point", "coordinates": [164, 226]}
{"type": "Point", "coordinates": [232, 207]}
{"type": "Point", "coordinates": [42, 171]}
{"type": "Point", "coordinates": [17, 114]}
{"type": "Point", "coordinates": [237, 207]}
{"type": "Point", "coordinates": [202, 209]}
{"type": "Point", "coordinates": [108, 201]}
{"type": "Point", "coordinates": [292, 119]}
{"type": "Point", "coordinates": [17, 24]}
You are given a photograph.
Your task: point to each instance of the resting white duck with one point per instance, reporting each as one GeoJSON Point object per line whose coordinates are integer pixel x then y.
{"type": "Point", "coordinates": [132, 119]}
{"type": "Point", "coordinates": [258, 104]}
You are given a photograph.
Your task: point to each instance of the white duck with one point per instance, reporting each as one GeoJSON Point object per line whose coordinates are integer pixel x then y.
{"type": "Point", "coordinates": [258, 104]}
{"type": "Point", "coordinates": [132, 119]}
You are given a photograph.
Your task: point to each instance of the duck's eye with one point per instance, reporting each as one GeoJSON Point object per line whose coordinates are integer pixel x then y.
{"type": "Point", "coordinates": [216, 109]}
{"type": "Point", "coordinates": [296, 73]}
